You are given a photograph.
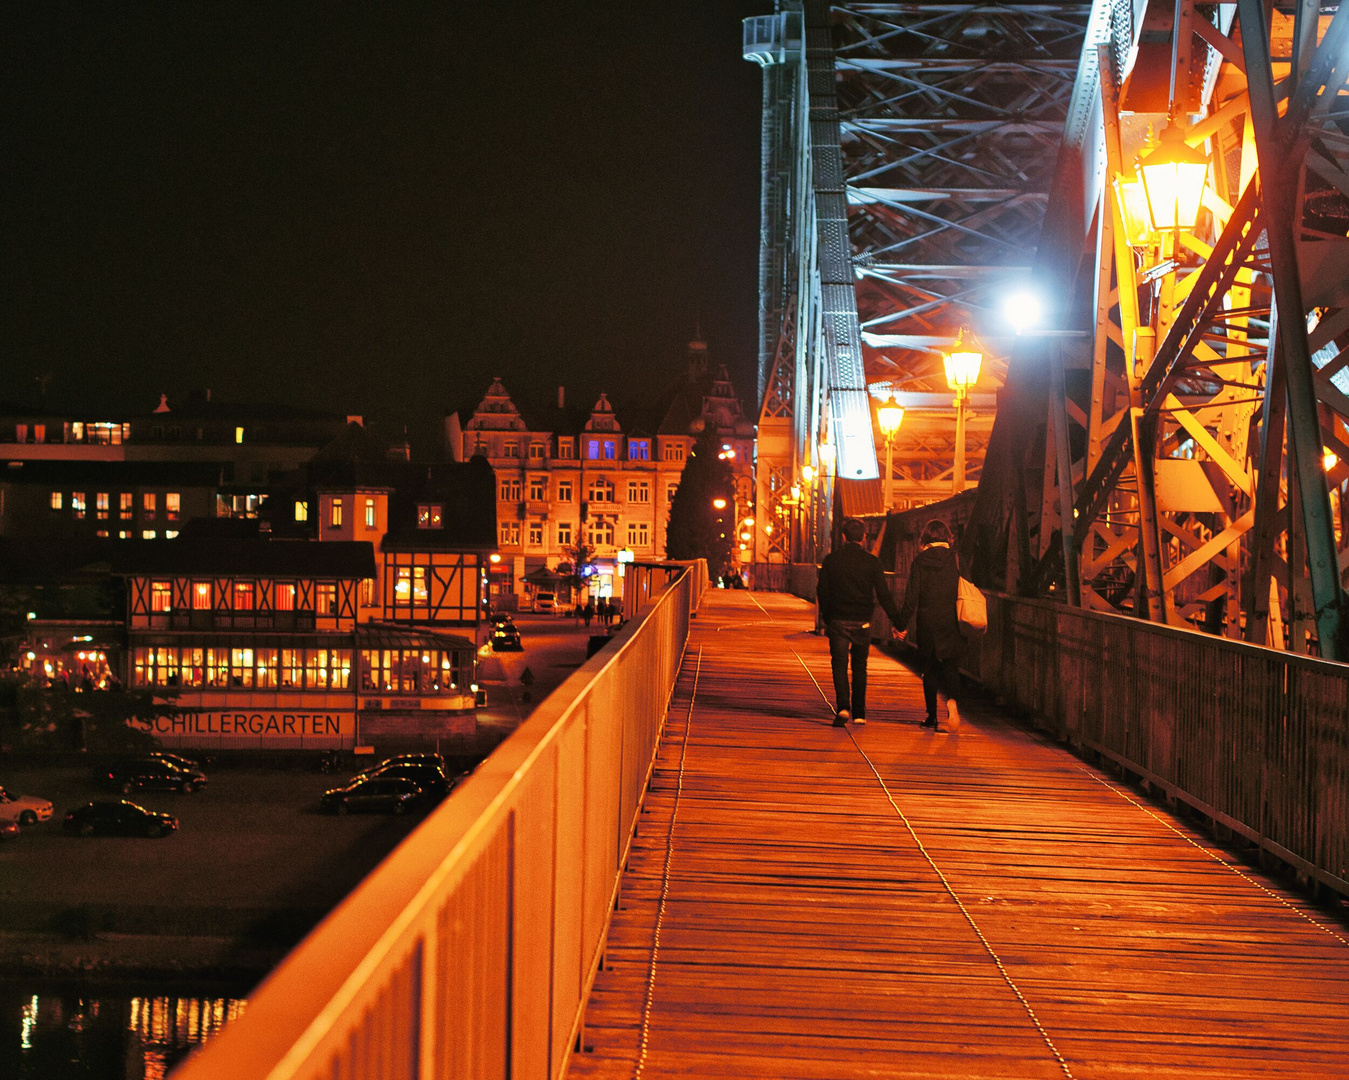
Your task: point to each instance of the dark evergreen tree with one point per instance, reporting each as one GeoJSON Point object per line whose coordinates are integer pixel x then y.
{"type": "Point", "coordinates": [698, 528]}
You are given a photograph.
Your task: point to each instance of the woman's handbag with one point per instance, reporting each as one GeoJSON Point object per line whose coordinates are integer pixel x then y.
{"type": "Point", "coordinates": [971, 608]}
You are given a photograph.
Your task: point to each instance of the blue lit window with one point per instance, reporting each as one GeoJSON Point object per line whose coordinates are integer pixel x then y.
{"type": "Point", "coordinates": [610, 449]}
{"type": "Point", "coordinates": [593, 449]}
{"type": "Point", "coordinates": [639, 449]}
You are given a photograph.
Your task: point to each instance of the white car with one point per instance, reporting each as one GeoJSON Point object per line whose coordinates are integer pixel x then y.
{"type": "Point", "coordinates": [23, 809]}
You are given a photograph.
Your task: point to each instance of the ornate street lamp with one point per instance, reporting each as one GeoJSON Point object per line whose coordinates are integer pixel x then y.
{"type": "Point", "coordinates": [889, 416]}
{"type": "Point", "coordinates": [1173, 175]}
{"type": "Point", "coordinates": [962, 372]}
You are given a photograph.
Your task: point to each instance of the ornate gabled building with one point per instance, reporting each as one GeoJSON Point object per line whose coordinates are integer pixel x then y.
{"type": "Point", "coordinates": [594, 477]}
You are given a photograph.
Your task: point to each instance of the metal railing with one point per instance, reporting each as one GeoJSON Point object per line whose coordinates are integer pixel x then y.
{"type": "Point", "coordinates": [469, 952]}
{"type": "Point", "coordinates": [1254, 738]}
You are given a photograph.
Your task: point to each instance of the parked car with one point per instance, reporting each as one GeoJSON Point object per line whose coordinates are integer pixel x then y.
{"type": "Point", "coordinates": [545, 601]}
{"type": "Point", "coordinates": [431, 778]}
{"type": "Point", "coordinates": [177, 759]}
{"type": "Point", "coordinates": [120, 818]}
{"type": "Point", "coordinates": [154, 774]}
{"type": "Point", "coordinates": [499, 617]}
{"type": "Point", "coordinates": [506, 638]}
{"type": "Point", "coordinates": [384, 794]}
{"type": "Point", "coordinates": [9, 830]}
{"type": "Point", "coordinates": [23, 809]}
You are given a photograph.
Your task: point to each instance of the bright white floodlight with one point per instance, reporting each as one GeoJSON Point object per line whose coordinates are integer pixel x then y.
{"type": "Point", "coordinates": [1022, 310]}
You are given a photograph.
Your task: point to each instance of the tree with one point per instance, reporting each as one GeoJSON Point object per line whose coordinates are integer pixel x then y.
{"type": "Point", "coordinates": [698, 528]}
{"type": "Point", "coordinates": [581, 556]}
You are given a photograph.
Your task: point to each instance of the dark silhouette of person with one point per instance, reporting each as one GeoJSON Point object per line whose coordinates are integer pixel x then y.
{"type": "Point", "coordinates": [589, 612]}
{"type": "Point", "coordinates": [931, 593]}
{"type": "Point", "coordinates": [850, 584]}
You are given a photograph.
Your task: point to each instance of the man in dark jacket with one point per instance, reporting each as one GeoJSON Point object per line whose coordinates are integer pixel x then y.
{"type": "Point", "coordinates": [850, 585]}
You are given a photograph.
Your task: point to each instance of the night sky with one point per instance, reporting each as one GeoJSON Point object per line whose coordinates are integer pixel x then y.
{"type": "Point", "coordinates": [373, 207]}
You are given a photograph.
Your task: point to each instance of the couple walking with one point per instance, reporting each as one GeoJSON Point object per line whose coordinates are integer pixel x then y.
{"type": "Point", "coordinates": [851, 582]}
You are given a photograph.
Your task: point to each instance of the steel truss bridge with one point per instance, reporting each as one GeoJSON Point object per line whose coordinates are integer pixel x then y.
{"type": "Point", "coordinates": [1171, 442]}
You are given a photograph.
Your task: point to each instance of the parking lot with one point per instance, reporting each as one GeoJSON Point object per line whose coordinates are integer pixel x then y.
{"type": "Point", "coordinates": [252, 845]}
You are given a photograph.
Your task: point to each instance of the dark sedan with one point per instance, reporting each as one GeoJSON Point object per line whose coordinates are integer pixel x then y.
{"type": "Point", "coordinates": [378, 795]}
{"type": "Point", "coordinates": [154, 774]}
{"type": "Point", "coordinates": [434, 782]}
{"type": "Point", "coordinates": [118, 819]}
{"type": "Point", "coordinates": [506, 638]}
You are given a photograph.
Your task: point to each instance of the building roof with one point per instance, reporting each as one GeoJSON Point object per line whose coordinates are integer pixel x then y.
{"type": "Point", "coordinates": [65, 474]}
{"type": "Point", "coordinates": [186, 556]}
{"type": "Point", "coordinates": [376, 635]}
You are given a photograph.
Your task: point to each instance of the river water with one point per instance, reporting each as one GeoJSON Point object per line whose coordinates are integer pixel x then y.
{"type": "Point", "coordinates": [63, 1032]}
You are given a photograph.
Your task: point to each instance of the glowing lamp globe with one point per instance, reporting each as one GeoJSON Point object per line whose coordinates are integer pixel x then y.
{"type": "Point", "coordinates": [890, 416]}
{"type": "Point", "coordinates": [962, 365]}
{"type": "Point", "coordinates": [1173, 175]}
{"type": "Point", "coordinates": [1133, 209]}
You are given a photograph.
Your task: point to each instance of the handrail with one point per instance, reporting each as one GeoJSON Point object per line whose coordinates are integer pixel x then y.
{"type": "Point", "coordinates": [1252, 737]}
{"type": "Point", "coordinates": [469, 951]}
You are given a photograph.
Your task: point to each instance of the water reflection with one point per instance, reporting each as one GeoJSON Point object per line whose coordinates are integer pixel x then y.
{"type": "Point", "coordinates": [65, 1035]}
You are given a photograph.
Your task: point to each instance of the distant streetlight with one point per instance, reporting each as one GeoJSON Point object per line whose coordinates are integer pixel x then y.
{"type": "Point", "coordinates": [808, 473]}
{"type": "Point", "coordinates": [494, 558]}
{"type": "Point", "coordinates": [889, 416]}
{"type": "Point", "coordinates": [719, 503]}
{"type": "Point", "coordinates": [962, 372]}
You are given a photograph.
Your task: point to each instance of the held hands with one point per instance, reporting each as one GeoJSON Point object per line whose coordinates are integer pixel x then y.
{"type": "Point", "coordinates": [898, 635]}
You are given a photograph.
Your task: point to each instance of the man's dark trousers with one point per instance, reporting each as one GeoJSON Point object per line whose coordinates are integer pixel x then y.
{"type": "Point", "coordinates": [849, 639]}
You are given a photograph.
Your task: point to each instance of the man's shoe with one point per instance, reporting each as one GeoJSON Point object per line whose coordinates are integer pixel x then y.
{"type": "Point", "coordinates": [842, 717]}
{"type": "Point", "coordinates": [859, 721]}
{"type": "Point", "coordinates": [952, 717]}
{"type": "Point", "coordinates": [930, 723]}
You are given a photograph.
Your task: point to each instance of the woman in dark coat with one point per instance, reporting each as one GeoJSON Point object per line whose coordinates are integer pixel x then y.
{"type": "Point", "coordinates": [931, 592]}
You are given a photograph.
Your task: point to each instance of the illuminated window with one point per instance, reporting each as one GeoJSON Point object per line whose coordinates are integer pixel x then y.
{"type": "Point", "coordinates": [301, 511]}
{"type": "Point", "coordinates": [284, 596]}
{"type": "Point", "coordinates": [538, 488]}
{"type": "Point", "coordinates": [563, 533]}
{"type": "Point", "coordinates": [511, 450]}
{"type": "Point", "coordinates": [126, 506]}
{"type": "Point", "coordinates": [243, 596]}
{"type": "Point", "coordinates": [316, 668]}
{"type": "Point", "coordinates": [509, 533]}
{"type": "Point", "coordinates": [601, 491]}
{"type": "Point", "coordinates": [102, 532]}
{"type": "Point", "coordinates": [536, 533]}
{"type": "Point", "coordinates": [101, 506]}
{"type": "Point", "coordinates": [169, 534]}
{"type": "Point", "coordinates": [673, 452]}
{"type": "Point", "coordinates": [409, 586]}
{"type": "Point", "coordinates": [148, 534]}
{"type": "Point", "coordinates": [161, 596]}
{"type": "Point", "coordinates": [238, 434]}
{"type": "Point", "coordinates": [124, 534]}
{"type": "Point", "coordinates": [565, 449]}
{"type": "Point", "coordinates": [536, 451]}
{"type": "Point", "coordinates": [193, 672]}
{"type": "Point", "coordinates": [148, 505]}
{"type": "Point", "coordinates": [56, 500]}
{"type": "Point", "coordinates": [335, 513]}
{"type": "Point", "coordinates": [292, 667]}
{"type": "Point", "coordinates": [39, 432]}
{"type": "Point", "coordinates": [369, 513]}
{"type": "Point", "coordinates": [610, 449]}
{"type": "Point", "coordinates": [173, 505]}
{"type": "Point", "coordinates": [77, 503]}
{"type": "Point", "coordinates": [638, 534]}
{"type": "Point", "coordinates": [510, 490]}
{"type": "Point", "coordinates": [267, 667]}
{"type": "Point", "coordinates": [325, 599]}
{"type": "Point", "coordinates": [77, 431]}
{"type": "Point", "coordinates": [593, 449]}
{"type": "Point", "coordinates": [419, 592]}
{"type": "Point", "coordinates": [368, 592]}
{"type": "Point", "coordinates": [241, 667]}
{"type": "Point", "coordinates": [564, 491]}
{"type": "Point", "coordinates": [339, 673]}
{"type": "Point", "coordinates": [639, 491]}
{"type": "Point", "coordinates": [20, 432]}
{"type": "Point", "coordinates": [639, 449]}
{"type": "Point", "coordinates": [201, 596]}
{"type": "Point", "coordinates": [428, 516]}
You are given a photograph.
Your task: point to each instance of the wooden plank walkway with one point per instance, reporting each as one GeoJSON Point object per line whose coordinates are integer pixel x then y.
{"type": "Point", "coordinates": [890, 902]}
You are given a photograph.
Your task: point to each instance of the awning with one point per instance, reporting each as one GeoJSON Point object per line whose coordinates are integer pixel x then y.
{"type": "Point", "coordinates": [860, 498]}
{"type": "Point", "coordinates": [389, 636]}
{"type": "Point", "coordinates": [545, 577]}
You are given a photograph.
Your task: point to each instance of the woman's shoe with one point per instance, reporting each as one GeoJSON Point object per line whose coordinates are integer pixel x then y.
{"type": "Point", "coordinates": [952, 717]}
{"type": "Point", "coordinates": [930, 723]}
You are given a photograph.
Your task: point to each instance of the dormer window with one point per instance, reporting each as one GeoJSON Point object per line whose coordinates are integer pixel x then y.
{"type": "Point", "coordinates": [536, 451]}
{"type": "Point", "coordinates": [428, 516]}
{"type": "Point", "coordinates": [565, 449]}
{"type": "Point", "coordinates": [639, 449]}
{"type": "Point", "coordinates": [511, 450]}
{"type": "Point", "coordinates": [369, 513]}
{"type": "Point", "coordinates": [335, 513]}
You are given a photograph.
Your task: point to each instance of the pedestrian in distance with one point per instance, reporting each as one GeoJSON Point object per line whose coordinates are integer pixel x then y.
{"type": "Point", "coordinates": [850, 584]}
{"type": "Point", "coordinates": [589, 612]}
{"type": "Point", "coordinates": [931, 594]}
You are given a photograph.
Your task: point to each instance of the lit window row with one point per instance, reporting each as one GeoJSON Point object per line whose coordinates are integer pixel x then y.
{"type": "Point", "coordinates": [241, 596]}
{"type": "Point", "coordinates": [126, 505]}
{"type": "Point", "coordinates": [232, 667]}
{"type": "Point", "coordinates": [414, 671]}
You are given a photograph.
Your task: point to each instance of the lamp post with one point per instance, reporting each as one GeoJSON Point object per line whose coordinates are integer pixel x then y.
{"type": "Point", "coordinates": [889, 416]}
{"type": "Point", "coordinates": [962, 372]}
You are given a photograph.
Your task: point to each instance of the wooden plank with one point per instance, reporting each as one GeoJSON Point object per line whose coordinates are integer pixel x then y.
{"type": "Point", "coordinates": [806, 933]}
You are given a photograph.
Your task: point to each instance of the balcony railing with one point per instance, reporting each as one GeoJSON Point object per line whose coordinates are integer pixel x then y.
{"type": "Point", "coordinates": [470, 950]}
